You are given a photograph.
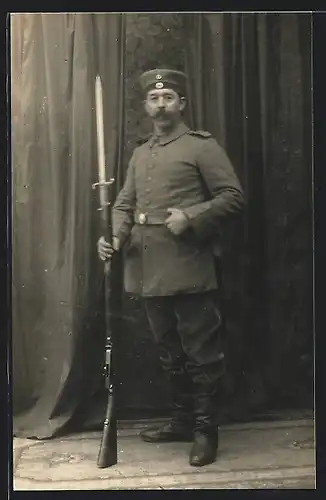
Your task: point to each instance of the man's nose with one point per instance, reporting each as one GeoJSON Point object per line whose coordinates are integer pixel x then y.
{"type": "Point", "coordinates": [161, 102]}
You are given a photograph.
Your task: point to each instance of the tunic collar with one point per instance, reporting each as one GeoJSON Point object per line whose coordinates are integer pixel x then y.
{"type": "Point", "coordinates": [180, 130]}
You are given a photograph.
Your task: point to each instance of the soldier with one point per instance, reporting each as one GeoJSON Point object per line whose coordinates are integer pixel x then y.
{"type": "Point", "coordinates": [179, 186]}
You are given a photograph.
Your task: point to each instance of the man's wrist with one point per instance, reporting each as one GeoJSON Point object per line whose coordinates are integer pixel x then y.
{"type": "Point", "coordinates": [186, 219]}
{"type": "Point", "coordinates": [185, 214]}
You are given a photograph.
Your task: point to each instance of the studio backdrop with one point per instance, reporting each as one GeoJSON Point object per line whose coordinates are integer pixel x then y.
{"type": "Point", "coordinates": [249, 85]}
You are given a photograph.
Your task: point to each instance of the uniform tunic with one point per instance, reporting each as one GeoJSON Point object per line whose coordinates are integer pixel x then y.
{"type": "Point", "coordinates": [187, 170]}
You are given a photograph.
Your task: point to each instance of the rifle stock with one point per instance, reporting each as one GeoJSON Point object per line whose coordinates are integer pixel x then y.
{"type": "Point", "coordinates": [108, 448]}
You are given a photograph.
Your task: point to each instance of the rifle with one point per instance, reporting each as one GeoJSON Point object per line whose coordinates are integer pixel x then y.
{"type": "Point", "coordinates": [108, 448]}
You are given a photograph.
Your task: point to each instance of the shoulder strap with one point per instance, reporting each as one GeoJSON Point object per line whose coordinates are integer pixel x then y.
{"type": "Point", "coordinates": [142, 140]}
{"type": "Point", "coordinates": [200, 133]}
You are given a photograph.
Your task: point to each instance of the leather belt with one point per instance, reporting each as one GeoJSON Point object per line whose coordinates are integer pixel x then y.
{"type": "Point", "coordinates": [150, 218]}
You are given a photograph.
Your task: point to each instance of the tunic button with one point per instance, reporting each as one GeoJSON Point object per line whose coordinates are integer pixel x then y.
{"type": "Point", "coordinates": [148, 190]}
{"type": "Point", "coordinates": [149, 178]}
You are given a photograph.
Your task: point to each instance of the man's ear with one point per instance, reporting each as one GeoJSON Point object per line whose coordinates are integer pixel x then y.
{"type": "Point", "coordinates": [183, 103]}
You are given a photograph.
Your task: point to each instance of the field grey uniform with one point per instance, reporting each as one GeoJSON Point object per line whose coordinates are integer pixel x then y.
{"type": "Point", "coordinates": [175, 275]}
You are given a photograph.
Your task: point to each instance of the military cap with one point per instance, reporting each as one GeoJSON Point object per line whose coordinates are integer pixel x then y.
{"type": "Point", "coordinates": [163, 79]}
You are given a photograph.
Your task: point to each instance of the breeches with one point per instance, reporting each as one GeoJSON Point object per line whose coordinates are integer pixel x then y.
{"type": "Point", "coordinates": [188, 330]}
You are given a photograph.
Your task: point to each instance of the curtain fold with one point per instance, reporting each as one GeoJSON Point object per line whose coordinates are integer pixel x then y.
{"type": "Point", "coordinates": [58, 333]}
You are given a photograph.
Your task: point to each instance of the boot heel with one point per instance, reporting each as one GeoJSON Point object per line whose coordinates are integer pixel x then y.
{"type": "Point", "coordinates": [204, 449]}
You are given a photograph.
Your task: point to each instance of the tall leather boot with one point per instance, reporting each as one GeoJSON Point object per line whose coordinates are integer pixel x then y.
{"type": "Point", "coordinates": [205, 437]}
{"type": "Point", "coordinates": [181, 426]}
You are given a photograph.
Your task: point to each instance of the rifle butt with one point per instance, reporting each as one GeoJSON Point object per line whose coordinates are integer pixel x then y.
{"type": "Point", "coordinates": [108, 454]}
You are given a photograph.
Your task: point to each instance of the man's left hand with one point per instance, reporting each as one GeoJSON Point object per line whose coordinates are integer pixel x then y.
{"type": "Point", "coordinates": [177, 222]}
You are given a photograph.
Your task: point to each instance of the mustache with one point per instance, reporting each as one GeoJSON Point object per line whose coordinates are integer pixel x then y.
{"type": "Point", "coordinates": [161, 114]}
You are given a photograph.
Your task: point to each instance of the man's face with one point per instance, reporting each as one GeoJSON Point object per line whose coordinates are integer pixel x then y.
{"type": "Point", "coordinates": [164, 106]}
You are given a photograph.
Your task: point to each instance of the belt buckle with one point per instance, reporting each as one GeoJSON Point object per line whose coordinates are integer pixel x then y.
{"type": "Point", "coordinates": [142, 218]}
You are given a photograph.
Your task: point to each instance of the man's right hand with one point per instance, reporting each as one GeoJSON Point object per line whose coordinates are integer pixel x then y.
{"type": "Point", "coordinates": [105, 250]}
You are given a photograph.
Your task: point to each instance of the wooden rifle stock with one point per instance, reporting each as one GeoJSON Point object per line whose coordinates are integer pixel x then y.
{"type": "Point", "coordinates": [108, 447]}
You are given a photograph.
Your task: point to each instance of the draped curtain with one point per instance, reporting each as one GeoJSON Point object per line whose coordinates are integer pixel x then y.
{"type": "Point", "coordinates": [250, 79]}
{"type": "Point", "coordinates": [249, 85]}
{"type": "Point", "coordinates": [58, 333]}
